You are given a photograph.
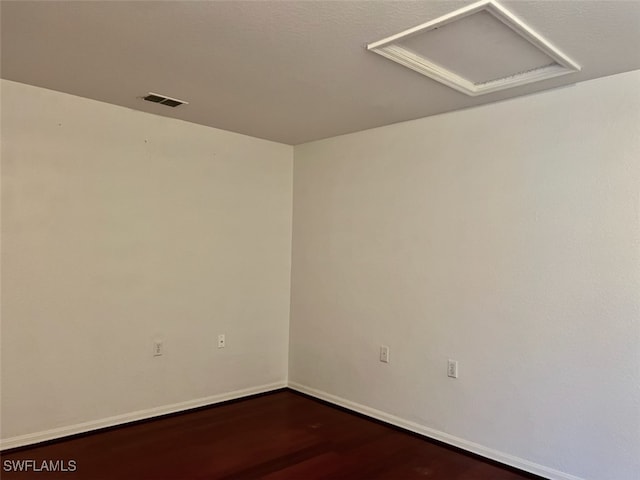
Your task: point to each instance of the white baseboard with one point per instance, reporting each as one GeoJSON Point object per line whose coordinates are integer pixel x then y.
{"type": "Point", "coordinates": [476, 448]}
{"type": "Point", "coordinates": [522, 464]}
{"type": "Point", "coordinates": [37, 437]}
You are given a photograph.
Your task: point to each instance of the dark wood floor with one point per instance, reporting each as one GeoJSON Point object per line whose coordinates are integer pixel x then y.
{"type": "Point", "coordinates": [282, 435]}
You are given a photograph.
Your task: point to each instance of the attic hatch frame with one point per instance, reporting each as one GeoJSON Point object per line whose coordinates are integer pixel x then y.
{"type": "Point", "coordinates": [388, 48]}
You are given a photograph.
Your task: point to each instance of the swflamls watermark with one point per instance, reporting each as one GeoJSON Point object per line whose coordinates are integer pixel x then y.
{"type": "Point", "coordinates": [39, 465]}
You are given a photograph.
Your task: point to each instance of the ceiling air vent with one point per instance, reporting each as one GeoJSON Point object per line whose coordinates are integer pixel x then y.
{"type": "Point", "coordinates": [481, 48]}
{"type": "Point", "coordinates": [168, 101]}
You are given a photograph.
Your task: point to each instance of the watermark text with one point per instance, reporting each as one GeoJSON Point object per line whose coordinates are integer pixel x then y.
{"type": "Point", "coordinates": [30, 465]}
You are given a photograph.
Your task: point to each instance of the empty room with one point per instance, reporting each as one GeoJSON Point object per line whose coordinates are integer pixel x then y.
{"type": "Point", "coordinates": [320, 240]}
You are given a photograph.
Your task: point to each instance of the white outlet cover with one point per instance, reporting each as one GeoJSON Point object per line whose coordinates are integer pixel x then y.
{"type": "Point", "coordinates": [384, 353]}
{"type": "Point", "coordinates": [452, 368]}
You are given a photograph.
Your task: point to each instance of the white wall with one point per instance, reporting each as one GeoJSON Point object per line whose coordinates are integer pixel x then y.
{"type": "Point", "coordinates": [120, 227]}
{"type": "Point", "coordinates": [505, 237]}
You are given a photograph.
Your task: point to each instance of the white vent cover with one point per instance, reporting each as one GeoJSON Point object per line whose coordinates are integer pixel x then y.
{"type": "Point", "coordinates": [164, 100]}
{"type": "Point", "coordinates": [478, 49]}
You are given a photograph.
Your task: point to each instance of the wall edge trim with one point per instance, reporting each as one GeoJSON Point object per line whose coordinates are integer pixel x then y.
{"type": "Point", "coordinates": [123, 419]}
{"type": "Point", "coordinates": [476, 448]}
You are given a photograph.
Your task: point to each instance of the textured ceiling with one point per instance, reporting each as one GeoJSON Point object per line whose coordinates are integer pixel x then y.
{"type": "Point", "coordinates": [285, 71]}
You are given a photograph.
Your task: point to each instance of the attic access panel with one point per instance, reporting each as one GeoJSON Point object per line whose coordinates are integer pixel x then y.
{"type": "Point", "coordinates": [478, 49]}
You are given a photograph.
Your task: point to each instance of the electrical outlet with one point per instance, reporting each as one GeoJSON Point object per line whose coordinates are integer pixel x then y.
{"type": "Point", "coordinates": [384, 353]}
{"type": "Point", "coordinates": [452, 368]}
{"type": "Point", "coordinates": [221, 340]}
{"type": "Point", "coordinates": [158, 348]}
